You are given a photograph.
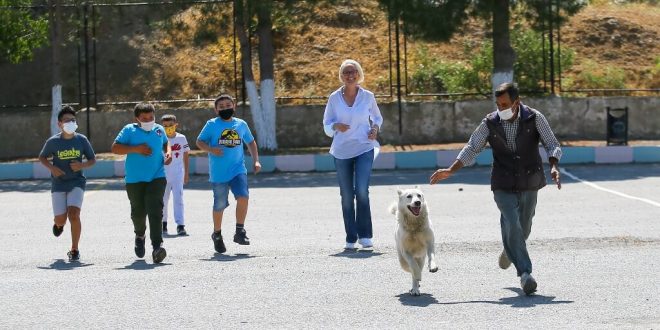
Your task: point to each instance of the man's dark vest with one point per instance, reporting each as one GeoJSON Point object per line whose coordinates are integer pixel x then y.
{"type": "Point", "coordinates": [521, 170]}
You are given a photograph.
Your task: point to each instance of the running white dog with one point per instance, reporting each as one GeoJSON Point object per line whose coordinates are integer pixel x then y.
{"type": "Point", "coordinates": [414, 235]}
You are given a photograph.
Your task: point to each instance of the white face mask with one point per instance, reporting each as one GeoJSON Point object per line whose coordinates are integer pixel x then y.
{"type": "Point", "coordinates": [147, 126]}
{"type": "Point", "coordinates": [506, 114]}
{"type": "Point", "coordinates": [70, 127]}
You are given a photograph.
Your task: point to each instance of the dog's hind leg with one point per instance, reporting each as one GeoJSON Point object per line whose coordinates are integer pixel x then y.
{"type": "Point", "coordinates": [404, 263]}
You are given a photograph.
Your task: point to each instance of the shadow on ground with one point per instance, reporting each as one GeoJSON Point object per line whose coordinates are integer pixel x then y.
{"type": "Point", "coordinates": [61, 264]}
{"type": "Point", "coordinates": [142, 265]}
{"type": "Point", "coordinates": [519, 301]}
{"type": "Point", "coordinates": [356, 254]}
{"type": "Point", "coordinates": [225, 257]}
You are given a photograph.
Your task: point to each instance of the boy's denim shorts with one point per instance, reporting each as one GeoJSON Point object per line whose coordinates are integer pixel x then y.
{"type": "Point", "coordinates": [238, 186]}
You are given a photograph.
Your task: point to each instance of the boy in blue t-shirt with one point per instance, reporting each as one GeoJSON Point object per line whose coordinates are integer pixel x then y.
{"type": "Point", "coordinates": [223, 139]}
{"type": "Point", "coordinates": [68, 182]}
{"type": "Point", "coordinates": [148, 150]}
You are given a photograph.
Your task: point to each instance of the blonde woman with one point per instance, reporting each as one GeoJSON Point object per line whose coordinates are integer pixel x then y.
{"type": "Point", "coordinates": [352, 119]}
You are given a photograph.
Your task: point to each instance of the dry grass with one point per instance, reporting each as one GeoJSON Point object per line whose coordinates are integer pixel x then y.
{"type": "Point", "coordinates": [309, 52]}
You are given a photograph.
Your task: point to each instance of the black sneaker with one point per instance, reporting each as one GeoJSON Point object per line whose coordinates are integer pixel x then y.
{"type": "Point", "coordinates": [164, 227]}
{"type": "Point", "coordinates": [74, 255]}
{"type": "Point", "coordinates": [139, 247]}
{"type": "Point", "coordinates": [159, 254]}
{"type": "Point", "coordinates": [57, 231]}
{"type": "Point", "coordinates": [181, 230]}
{"type": "Point", "coordinates": [218, 244]}
{"type": "Point", "coordinates": [241, 237]}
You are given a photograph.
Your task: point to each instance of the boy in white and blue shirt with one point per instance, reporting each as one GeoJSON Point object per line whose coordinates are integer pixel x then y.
{"type": "Point", "coordinates": [147, 148]}
{"type": "Point", "coordinates": [223, 138]}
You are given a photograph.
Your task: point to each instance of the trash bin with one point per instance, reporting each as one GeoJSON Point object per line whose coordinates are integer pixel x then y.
{"type": "Point", "coordinates": [617, 126]}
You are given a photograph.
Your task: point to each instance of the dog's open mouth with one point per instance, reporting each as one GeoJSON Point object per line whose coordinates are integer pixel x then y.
{"type": "Point", "coordinates": [415, 209]}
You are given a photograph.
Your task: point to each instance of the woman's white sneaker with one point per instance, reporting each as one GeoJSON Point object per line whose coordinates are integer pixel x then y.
{"type": "Point", "coordinates": [350, 246]}
{"type": "Point", "coordinates": [366, 242]}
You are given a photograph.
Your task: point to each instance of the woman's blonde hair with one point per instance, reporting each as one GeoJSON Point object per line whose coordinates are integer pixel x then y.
{"type": "Point", "coordinates": [357, 66]}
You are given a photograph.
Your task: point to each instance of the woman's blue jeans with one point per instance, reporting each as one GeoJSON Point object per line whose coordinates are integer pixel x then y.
{"type": "Point", "coordinates": [353, 175]}
{"type": "Point", "coordinates": [516, 212]}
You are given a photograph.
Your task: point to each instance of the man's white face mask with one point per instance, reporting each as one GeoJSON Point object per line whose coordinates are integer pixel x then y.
{"type": "Point", "coordinates": [507, 114]}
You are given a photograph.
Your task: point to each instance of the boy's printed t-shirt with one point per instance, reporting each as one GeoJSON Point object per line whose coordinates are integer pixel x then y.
{"type": "Point", "coordinates": [140, 168]}
{"type": "Point", "coordinates": [179, 145]}
{"type": "Point", "coordinates": [230, 136]}
{"type": "Point", "coordinates": [64, 151]}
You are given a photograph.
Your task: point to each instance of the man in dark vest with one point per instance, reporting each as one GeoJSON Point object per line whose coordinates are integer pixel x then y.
{"type": "Point", "coordinates": [513, 132]}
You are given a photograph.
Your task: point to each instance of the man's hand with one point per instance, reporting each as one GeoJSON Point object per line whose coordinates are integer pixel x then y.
{"type": "Point", "coordinates": [215, 151]}
{"type": "Point", "coordinates": [168, 158]}
{"type": "Point", "coordinates": [142, 149]}
{"type": "Point", "coordinates": [257, 167]}
{"type": "Point", "coordinates": [341, 127]}
{"type": "Point", "coordinates": [76, 165]}
{"type": "Point", "coordinates": [56, 171]}
{"type": "Point", "coordinates": [554, 173]}
{"type": "Point", "coordinates": [439, 175]}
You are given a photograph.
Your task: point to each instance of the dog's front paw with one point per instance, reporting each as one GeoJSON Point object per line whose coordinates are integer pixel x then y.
{"type": "Point", "coordinates": [414, 292]}
{"type": "Point", "coordinates": [433, 268]}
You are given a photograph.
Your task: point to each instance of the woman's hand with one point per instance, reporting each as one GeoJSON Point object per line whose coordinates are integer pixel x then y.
{"type": "Point", "coordinates": [373, 133]}
{"type": "Point", "coordinates": [341, 127]}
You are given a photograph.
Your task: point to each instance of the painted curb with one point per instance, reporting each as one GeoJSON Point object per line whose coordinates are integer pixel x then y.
{"type": "Point", "coordinates": [385, 161]}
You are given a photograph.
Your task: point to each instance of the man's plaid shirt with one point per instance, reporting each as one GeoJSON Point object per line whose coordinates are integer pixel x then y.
{"type": "Point", "coordinates": [478, 139]}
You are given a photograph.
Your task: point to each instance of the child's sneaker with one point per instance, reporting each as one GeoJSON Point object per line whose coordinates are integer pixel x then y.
{"type": "Point", "coordinates": [241, 237]}
{"type": "Point", "coordinates": [57, 231]}
{"type": "Point", "coordinates": [164, 227]}
{"type": "Point", "coordinates": [139, 247]}
{"type": "Point", "coordinates": [350, 246]}
{"type": "Point", "coordinates": [218, 244]}
{"type": "Point", "coordinates": [181, 230]}
{"type": "Point", "coordinates": [159, 254]}
{"type": "Point", "coordinates": [74, 255]}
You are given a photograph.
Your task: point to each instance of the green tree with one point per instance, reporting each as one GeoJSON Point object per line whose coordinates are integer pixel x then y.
{"type": "Point", "coordinates": [439, 19]}
{"type": "Point", "coordinates": [21, 31]}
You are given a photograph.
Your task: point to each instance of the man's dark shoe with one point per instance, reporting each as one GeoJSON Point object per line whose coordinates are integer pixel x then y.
{"type": "Point", "coordinates": [74, 255]}
{"type": "Point", "coordinates": [181, 230]}
{"type": "Point", "coordinates": [164, 227]}
{"type": "Point", "coordinates": [241, 237]}
{"type": "Point", "coordinates": [57, 231]}
{"type": "Point", "coordinates": [218, 244]}
{"type": "Point", "coordinates": [139, 247]}
{"type": "Point", "coordinates": [159, 254]}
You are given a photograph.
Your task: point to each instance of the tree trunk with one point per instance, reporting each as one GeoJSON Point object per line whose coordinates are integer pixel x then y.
{"type": "Point", "coordinates": [503, 54]}
{"type": "Point", "coordinates": [266, 74]}
{"type": "Point", "coordinates": [55, 17]}
{"type": "Point", "coordinates": [262, 107]}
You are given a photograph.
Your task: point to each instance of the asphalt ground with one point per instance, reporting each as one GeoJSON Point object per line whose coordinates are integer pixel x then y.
{"type": "Point", "coordinates": [595, 246]}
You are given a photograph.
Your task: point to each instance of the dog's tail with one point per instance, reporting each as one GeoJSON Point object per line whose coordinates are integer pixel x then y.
{"type": "Point", "coordinates": [393, 208]}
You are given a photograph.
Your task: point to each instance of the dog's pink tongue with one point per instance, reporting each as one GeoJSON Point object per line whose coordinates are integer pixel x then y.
{"type": "Point", "coordinates": [415, 210]}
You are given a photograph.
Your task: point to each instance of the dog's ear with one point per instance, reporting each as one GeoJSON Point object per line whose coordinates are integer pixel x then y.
{"type": "Point", "coordinates": [399, 192]}
{"type": "Point", "coordinates": [417, 187]}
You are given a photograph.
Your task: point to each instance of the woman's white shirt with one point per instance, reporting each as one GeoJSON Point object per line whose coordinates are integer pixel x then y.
{"type": "Point", "coordinates": [354, 141]}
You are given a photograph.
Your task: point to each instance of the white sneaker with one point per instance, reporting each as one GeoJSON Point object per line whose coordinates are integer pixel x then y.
{"type": "Point", "coordinates": [504, 260]}
{"type": "Point", "coordinates": [366, 242]}
{"type": "Point", "coordinates": [350, 246]}
{"type": "Point", "coordinates": [528, 283]}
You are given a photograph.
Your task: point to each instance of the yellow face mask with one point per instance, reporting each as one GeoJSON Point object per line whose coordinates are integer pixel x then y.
{"type": "Point", "coordinates": [171, 130]}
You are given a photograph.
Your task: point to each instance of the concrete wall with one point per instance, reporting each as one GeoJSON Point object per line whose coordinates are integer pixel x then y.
{"type": "Point", "coordinates": [24, 132]}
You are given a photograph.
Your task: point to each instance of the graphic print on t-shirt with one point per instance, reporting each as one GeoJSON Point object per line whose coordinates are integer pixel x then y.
{"type": "Point", "coordinates": [176, 148]}
{"type": "Point", "coordinates": [72, 153]}
{"type": "Point", "coordinates": [229, 138]}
